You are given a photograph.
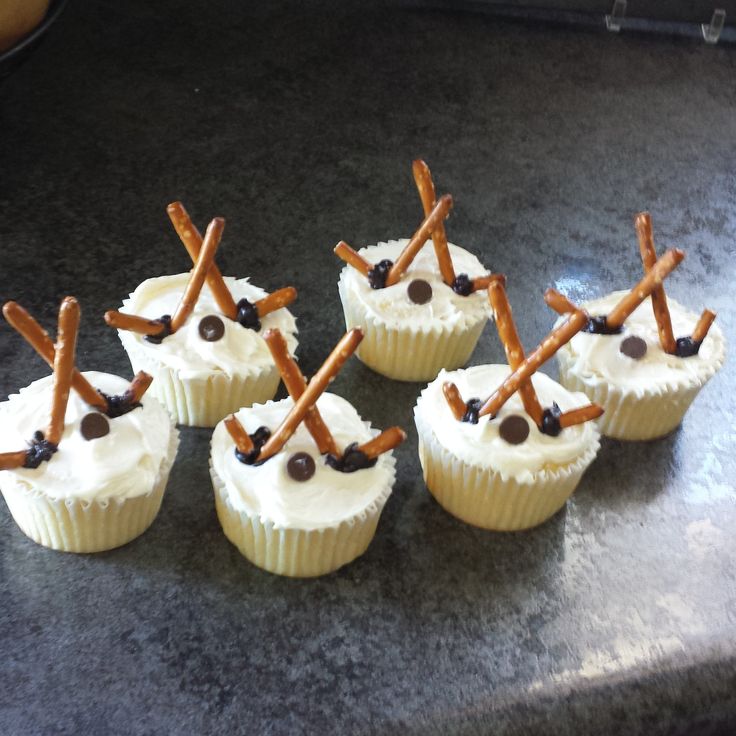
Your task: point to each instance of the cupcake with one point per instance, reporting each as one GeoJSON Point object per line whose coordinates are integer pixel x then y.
{"type": "Point", "coordinates": [199, 333]}
{"type": "Point", "coordinates": [94, 478]}
{"type": "Point", "coordinates": [629, 360]}
{"type": "Point", "coordinates": [510, 461]}
{"type": "Point", "coordinates": [300, 483]}
{"type": "Point", "coordinates": [419, 309]}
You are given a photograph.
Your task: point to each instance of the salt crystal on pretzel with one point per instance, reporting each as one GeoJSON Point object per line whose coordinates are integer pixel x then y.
{"type": "Point", "coordinates": [352, 258]}
{"type": "Point", "coordinates": [384, 442]}
{"type": "Point", "coordinates": [454, 400]}
{"type": "Point", "coordinates": [425, 185]}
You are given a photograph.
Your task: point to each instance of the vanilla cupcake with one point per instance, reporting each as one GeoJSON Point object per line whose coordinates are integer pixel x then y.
{"type": "Point", "coordinates": [199, 334]}
{"type": "Point", "coordinates": [420, 309]}
{"type": "Point", "coordinates": [94, 479]}
{"type": "Point", "coordinates": [300, 484]}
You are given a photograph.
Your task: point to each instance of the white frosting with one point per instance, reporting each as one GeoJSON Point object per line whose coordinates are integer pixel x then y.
{"type": "Point", "coordinates": [122, 464]}
{"type": "Point", "coordinates": [481, 444]}
{"type": "Point", "coordinates": [327, 498]}
{"type": "Point", "coordinates": [599, 356]}
{"type": "Point", "coordinates": [445, 309]}
{"type": "Point", "coordinates": [238, 352]}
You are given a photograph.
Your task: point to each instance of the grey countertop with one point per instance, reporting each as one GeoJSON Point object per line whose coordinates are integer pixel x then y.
{"type": "Point", "coordinates": [298, 123]}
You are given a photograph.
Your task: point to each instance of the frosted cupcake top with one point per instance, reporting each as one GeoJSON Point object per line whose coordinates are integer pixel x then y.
{"type": "Point", "coordinates": [329, 496]}
{"type": "Point", "coordinates": [634, 359]}
{"type": "Point", "coordinates": [237, 350]}
{"type": "Point", "coordinates": [121, 463]}
{"type": "Point", "coordinates": [411, 303]}
{"type": "Point", "coordinates": [483, 444]}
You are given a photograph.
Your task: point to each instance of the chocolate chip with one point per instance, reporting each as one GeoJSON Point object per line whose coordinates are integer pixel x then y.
{"type": "Point", "coordinates": [94, 425]}
{"type": "Point", "coordinates": [633, 347]}
{"type": "Point", "coordinates": [551, 420]}
{"type": "Point", "coordinates": [419, 291]}
{"type": "Point", "coordinates": [462, 285]}
{"type": "Point", "coordinates": [379, 273]}
{"type": "Point", "coordinates": [301, 466]}
{"type": "Point", "coordinates": [514, 429]}
{"type": "Point", "coordinates": [686, 347]}
{"type": "Point", "coordinates": [211, 328]}
{"type": "Point", "coordinates": [248, 315]}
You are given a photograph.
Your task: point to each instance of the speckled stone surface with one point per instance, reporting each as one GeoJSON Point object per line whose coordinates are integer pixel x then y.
{"type": "Point", "coordinates": [298, 125]}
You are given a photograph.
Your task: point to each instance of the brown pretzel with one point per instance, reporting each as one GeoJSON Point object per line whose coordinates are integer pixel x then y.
{"type": "Point", "coordinates": [560, 303]}
{"type": "Point", "coordinates": [276, 300]}
{"type": "Point", "coordinates": [352, 258]}
{"type": "Point", "coordinates": [192, 240]}
{"type": "Point", "coordinates": [296, 384]}
{"type": "Point", "coordinates": [704, 323]}
{"type": "Point", "coordinates": [654, 277]}
{"type": "Point", "coordinates": [241, 438]}
{"type": "Point", "coordinates": [139, 385]}
{"type": "Point", "coordinates": [454, 400]}
{"type": "Point", "coordinates": [133, 323]}
{"type": "Point", "coordinates": [643, 224]}
{"type": "Point", "coordinates": [438, 214]}
{"type": "Point", "coordinates": [578, 416]}
{"type": "Point", "coordinates": [483, 282]}
{"type": "Point", "coordinates": [12, 460]}
{"type": "Point", "coordinates": [547, 348]}
{"type": "Point", "coordinates": [387, 440]}
{"type": "Point", "coordinates": [40, 341]}
{"type": "Point", "coordinates": [425, 185]}
{"type": "Point", "coordinates": [513, 347]}
{"type": "Point", "coordinates": [196, 280]}
{"type": "Point", "coordinates": [66, 342]}
{"type": "Point", "coordinates": [316, 387]}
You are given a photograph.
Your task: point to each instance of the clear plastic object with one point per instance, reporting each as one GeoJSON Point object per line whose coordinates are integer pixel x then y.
{"type": "Point", "coordinates": [712, 30]}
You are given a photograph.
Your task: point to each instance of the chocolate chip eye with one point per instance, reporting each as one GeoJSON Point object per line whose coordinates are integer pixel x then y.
{"type": "Point", "coordinates": [633, 347]}
{"type": "Point", "coordinates": [94, 425]}
{"type": "Point", "coordinates": [419, 291]}
{"type": "Point", "coordinates": [301, 466]}
{"type": "Point", "coordinates": [211, 328]}
{"type": "Point", "coordinates": [514, 429]}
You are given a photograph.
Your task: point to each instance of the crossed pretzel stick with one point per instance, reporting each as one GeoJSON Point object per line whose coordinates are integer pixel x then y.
{"type": "Point", "coordinates": [436, 211]}
{"type": "Point", "coordinates": [202, 252]}
{"type": "Point", "coordinates": [43, 446]}
{"type": "Point", "coordinates": [262, 445]}
{"type": "Point", "coordinates": [550, 420]}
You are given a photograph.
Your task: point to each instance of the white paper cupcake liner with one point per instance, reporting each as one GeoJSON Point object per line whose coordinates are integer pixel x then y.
{"type": "Point", "coordinates": [412, 352]}
{"type": "Point", "coordinates": [294, 552]}
{"type": "Point", "coordinates": [73, 525]}
{"type": "Point", "coordinates": [201, 401]}
{"type": "Point", "coordinates": [482, 497]}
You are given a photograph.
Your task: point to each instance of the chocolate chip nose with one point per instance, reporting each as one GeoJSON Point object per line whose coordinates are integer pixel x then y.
{"type": "Point", "coordinates": [633, 347]}
{"type": "Point", "coordinates": [94, 425]}
{"type": "Point", "coordinates": [301, 466]}
{"type": "Point", "coordinates": [514, 429]}
{"type": "Point", "coordinates": [211, 328]}
{"type": "Point", "coordinates": [419, 291]}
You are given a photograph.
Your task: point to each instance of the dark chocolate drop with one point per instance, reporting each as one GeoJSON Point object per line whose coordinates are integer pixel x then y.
{"type": "Point", "coordinates": [599, 326]}
{"type": "Point", "coordinates": [379, 273]}
{"type": "Point", "coordinates": [551, 421]}
{"type": "Point", "coordinates": [633, 347]}
{"type": "Point", "coordinates": [211, 328]}
{"type": "Point", "coordinates": [94, 425]}
{"type": "Point", "coordinates": [248, 315]}
{"type": "Point", "coordinates": [514, 429]}
{"type": "Point", "coordinates": [686, 347]}
{"type": "Point", "coordinates": [462, 285]}
{"type": "Point", "coordinates": [419, 291]}
{"type": "Point", "coordinates": [472, 409]}
{"type": "Point", "coordinates": [301, 466]}
{"type": "Point", "coordinates": [39, 451]}
{"type": "Point", "coordinates": [352, 459]}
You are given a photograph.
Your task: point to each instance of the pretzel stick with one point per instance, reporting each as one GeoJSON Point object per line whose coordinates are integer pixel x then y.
{"type": "Point", "coordinates": [654, 277]}
{"type": "Point", "coordinates": [199, 273]}
{"type": "Point", "coordinates": [643, 224]}
{"type": "Point", "coordinates": [560, 303]}
{"type": "Point", "coordinates": [547, 348]}
{"type": "Point", "coordinates": [483, 282]}
{"type": "Point", "coordinates": [276, 300]}
{"type": "Point", "coordinates": [352, 258]}
{"type": "Point", "coordinates": [66, 343]}
{"type": "Point", "coordinates": [133, 323]}
{"type": "Point", "coordinates": [578, 416]}
{"type": "Point", "coordinates": [437, 215]}
{"type": "Point", "coordinates": [192, 240]}
{"type": "Point", "coordinates": [296, 384]}
{"type": "Point", "coordinates": [40, 341]}
{"type": "Point", "coordinates": [316, 387]}
{"type": "Point", "coordinates": [139, 385]}
{"type": "Point", "coordinates": [704, 323]}
{"type": "Point", "coordinates": [425, 185]}
{"type": "Point", "coordinates": [387, 440]}
{"type": "Point", "coordinates": [454, 400]}
{"type": "Point", "coordinates": [12, 460]}
{"type": "Point", "coordinates": [513, 347]}
{"type": "Point", "coordinates": [241, 438]}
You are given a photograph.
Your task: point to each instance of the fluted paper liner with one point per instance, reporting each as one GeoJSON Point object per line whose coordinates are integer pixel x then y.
{"type": "Point", "coordinates": [483, 497]}
{"type": "Point", "coordinates": [74, 525]}
{"type": "Point", "coordinates": [411, 352]}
